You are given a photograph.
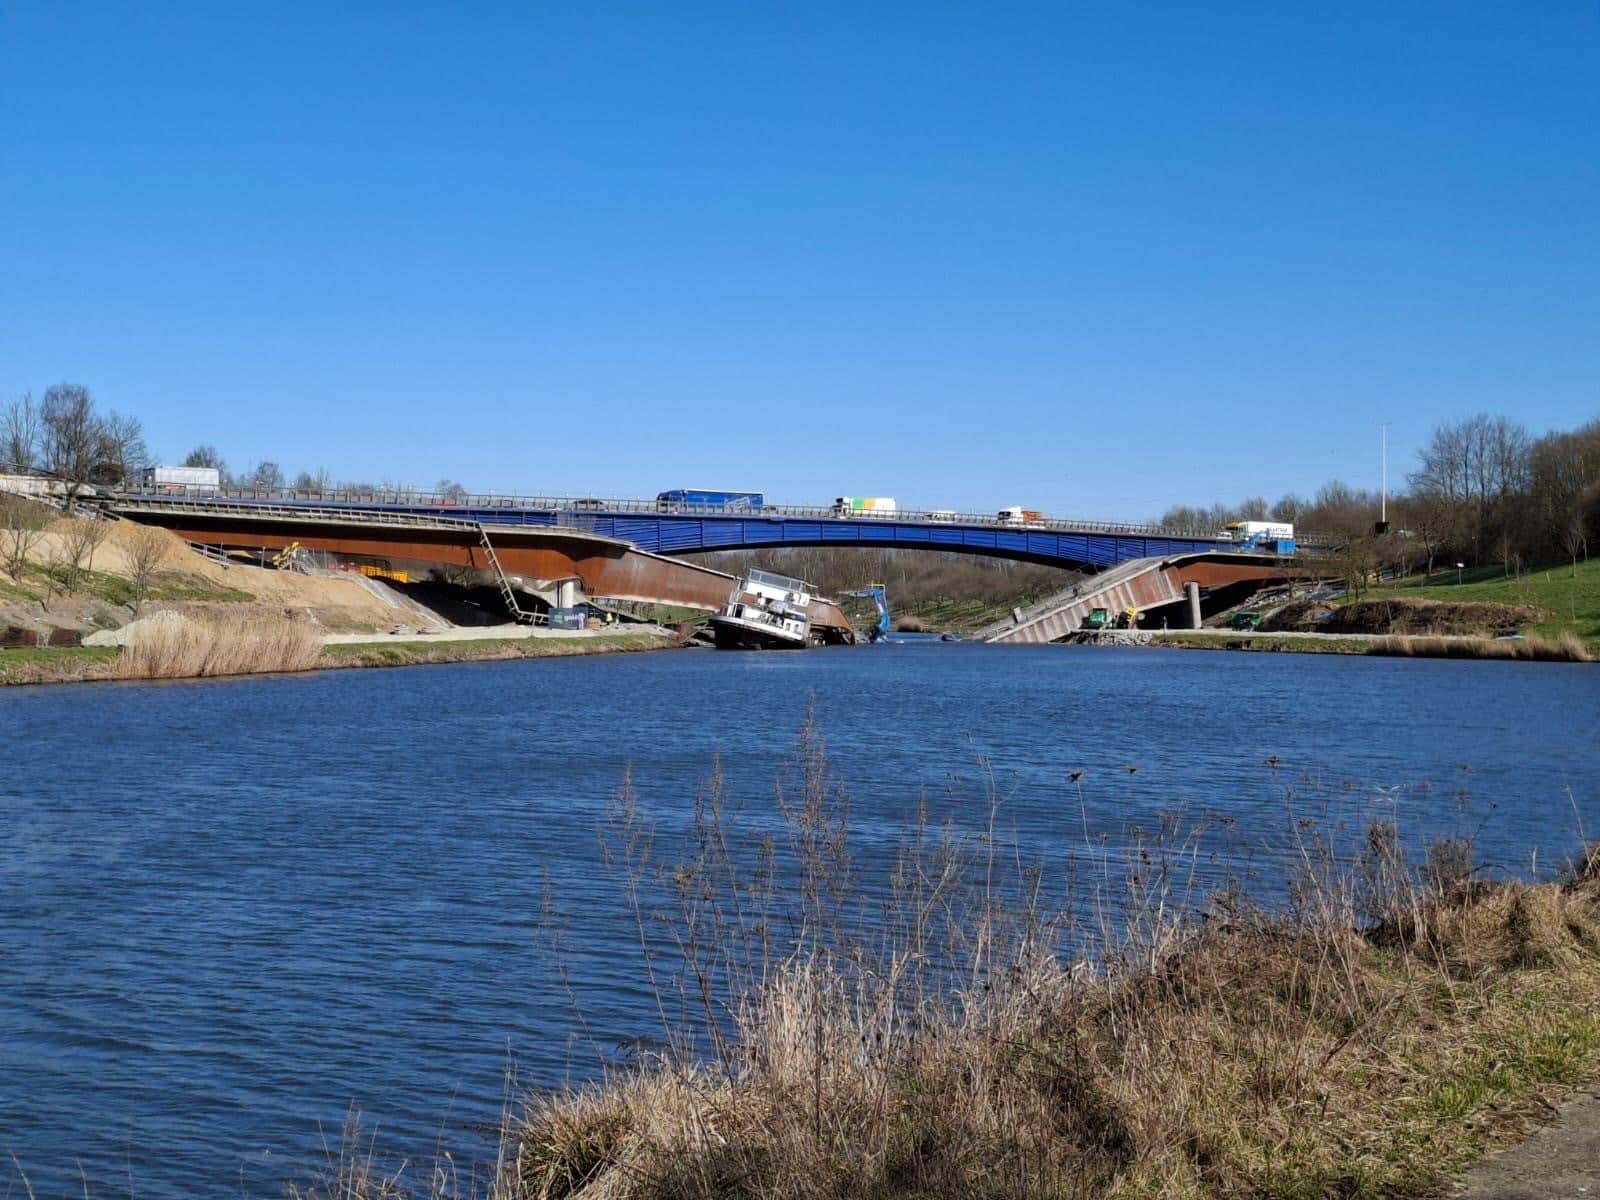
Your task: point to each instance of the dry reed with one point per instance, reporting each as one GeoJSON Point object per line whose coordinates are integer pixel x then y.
{"type": "Point", "coordinates": [1566, 648]}
{"type": "Point", "coordinates": [186, 648]}
{"type": "Point", "coordinates": [963, 1037]}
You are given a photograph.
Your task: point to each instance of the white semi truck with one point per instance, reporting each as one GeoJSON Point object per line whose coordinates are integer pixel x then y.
{"type": "Point", "coordinates": [1271, 536]}
{"type": "Point", "coordinates": [864, 506]}
{"type": "Point", "coordinates": [181, 480]}
{"type": "Point", "coordinates": [1254, 531]}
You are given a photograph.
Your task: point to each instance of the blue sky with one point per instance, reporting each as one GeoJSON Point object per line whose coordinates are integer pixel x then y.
{"type": "Point", "coordinates": [1091, 258]}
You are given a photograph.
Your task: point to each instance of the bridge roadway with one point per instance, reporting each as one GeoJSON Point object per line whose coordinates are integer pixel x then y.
{"type": "Point", "coordinates": [652, 527]}
{"type": "Point", "coordinates": [535, 557]}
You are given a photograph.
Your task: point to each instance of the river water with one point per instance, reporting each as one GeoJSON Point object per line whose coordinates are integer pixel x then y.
{"type": "Point", "coordinates": [231, 910]}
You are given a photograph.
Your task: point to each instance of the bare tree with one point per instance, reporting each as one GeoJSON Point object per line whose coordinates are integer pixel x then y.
{"type": "Point", "coordinates": [1341, 509]}
{"type": "Point", "coordinates": [207, 456]}
{"type": "Point", "coordinates": [1358, 560]}
{"type": "Point", "coordinates": [70, 435]}
{"type": "Point", "coordinates": [1288, 508]}
{"type": "Point", "coordinates": [146, 548]}
{"type": "Point", "coordinates": [1575, 541]}
{"type": "Point", "coordinates": [20, 528]}
{"type": "Point", "coordinates": [79, 540]}
{"type": "Point", "coordinates": [19, 433]}
{"type": "Point", "coordinates": [450, 490]}
{"type": "Point", "coordinates": [121, 451]}
{"type": "Point", "coordinates": [267, 476]}
{"type": "Point", "coordinates": [1433, 518]}
{"type": "Point", "coordinates": [1561, 467]}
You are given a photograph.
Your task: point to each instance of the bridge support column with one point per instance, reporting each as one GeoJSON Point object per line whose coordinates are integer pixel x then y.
{"type": "Point", "coordinates": [1191, 593]}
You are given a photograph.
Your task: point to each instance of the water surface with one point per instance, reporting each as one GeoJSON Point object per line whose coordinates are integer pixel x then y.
{"type": "Point", "coordinates": [229, 910]}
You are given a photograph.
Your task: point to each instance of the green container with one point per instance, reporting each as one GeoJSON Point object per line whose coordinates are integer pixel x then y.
{"type": "Point", "coordinates": [568, 618]}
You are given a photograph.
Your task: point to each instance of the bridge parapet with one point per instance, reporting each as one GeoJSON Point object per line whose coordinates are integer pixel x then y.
{"type": "Point", "coordinates": [593, 507]}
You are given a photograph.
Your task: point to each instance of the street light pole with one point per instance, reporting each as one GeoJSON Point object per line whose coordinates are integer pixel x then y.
{"type": "Point", "coordinates": [1383, 474]}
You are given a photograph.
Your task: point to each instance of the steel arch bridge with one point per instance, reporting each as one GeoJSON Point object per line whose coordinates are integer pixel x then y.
{"type": "Point", "coordinates": [1084, 546]}
{"type": "Point", "coordinates": [692, 533]}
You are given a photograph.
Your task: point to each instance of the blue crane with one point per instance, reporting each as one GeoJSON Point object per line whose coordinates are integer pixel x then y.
{"type": "Point", "coordinates": [879, 595]}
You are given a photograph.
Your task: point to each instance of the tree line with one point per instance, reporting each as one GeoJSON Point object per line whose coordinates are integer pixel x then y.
{"type": "Point", "coordinates": [65, 434]}
{"type": "Point", "coordinates": [1484, 491]}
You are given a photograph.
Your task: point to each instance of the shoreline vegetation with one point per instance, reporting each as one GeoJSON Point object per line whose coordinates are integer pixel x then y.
{"type": "Point", "coordinates": [955, 1028]}
{"type": "Point", "coordinates": [222, 647]}
{"type": "Point", "coordinates": [1533, 648]}
{"type": "Point", "coordinates": [217, 648]}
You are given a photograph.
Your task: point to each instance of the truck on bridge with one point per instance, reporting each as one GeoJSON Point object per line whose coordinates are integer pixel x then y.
{"type": "Point", "coordinates": [679, 499]}
{"type": "Point", "coordinates": [865, 506]}
{"type": "Point", "coordinates": [1271, 536]}
{"type": "Point", "coordinates": [181, 481]}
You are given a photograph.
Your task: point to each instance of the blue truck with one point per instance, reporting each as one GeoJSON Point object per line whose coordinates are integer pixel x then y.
{"type": "Point", "coordinates": [680, 499]}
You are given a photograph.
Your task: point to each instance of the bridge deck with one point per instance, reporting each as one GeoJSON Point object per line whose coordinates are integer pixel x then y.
{"type": "Point", "coordinates": [649, 526]}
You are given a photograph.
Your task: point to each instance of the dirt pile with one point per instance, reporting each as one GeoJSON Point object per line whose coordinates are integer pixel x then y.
{"type": "Point", "coordinates": [1408, 617]}
{"type": "Point", "coordinates": [40, 605]}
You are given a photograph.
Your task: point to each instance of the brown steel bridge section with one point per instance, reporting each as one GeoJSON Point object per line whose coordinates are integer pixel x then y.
{"type": "Point", "coordinates": [531, 556]}
{"type": "Point", "coordinates": [1142, 584]}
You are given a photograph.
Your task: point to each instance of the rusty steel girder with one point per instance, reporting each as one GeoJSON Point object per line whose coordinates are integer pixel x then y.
{"type": "Point", "coordinates": [610, 569]}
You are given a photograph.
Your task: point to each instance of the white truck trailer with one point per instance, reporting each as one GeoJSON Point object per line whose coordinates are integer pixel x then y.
{"type": "Point", "coordinates": [186, 481]}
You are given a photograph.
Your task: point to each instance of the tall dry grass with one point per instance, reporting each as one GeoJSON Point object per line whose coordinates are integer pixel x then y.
{"type": "Point", "coordinates": [1566, 648]}
{"type": "Point", "coordinates": [187, 648]}
{"type": "Point", "coordinates": [960, 1034]}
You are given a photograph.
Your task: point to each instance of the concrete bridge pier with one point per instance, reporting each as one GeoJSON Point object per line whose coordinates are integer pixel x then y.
{"type": "Point", "coordinates": [1191, 593]}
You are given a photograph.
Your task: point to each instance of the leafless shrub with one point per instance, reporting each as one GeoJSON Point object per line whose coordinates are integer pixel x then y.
{"type": "Point", "coordinates": [20, 529]}
{"type": "Point", "coordinates": [143, 555]}
{"type": "Point", "coordinates": [79, 538]}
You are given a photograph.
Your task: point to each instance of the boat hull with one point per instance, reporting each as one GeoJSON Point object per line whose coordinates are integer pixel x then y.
{"type": "Point", "coordinates": [730, 633]}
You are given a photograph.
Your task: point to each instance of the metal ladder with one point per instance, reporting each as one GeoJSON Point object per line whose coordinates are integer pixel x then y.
{"type": "Point", "coordinates": [509, 594]}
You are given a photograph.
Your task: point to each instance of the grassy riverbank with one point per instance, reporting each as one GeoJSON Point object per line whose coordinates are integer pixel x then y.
{"type": "Point", "coordinates": [1567, 595]}
{"type": "Point", "coordinates": [1565, 648]}
{"type": "Point", "coordinates": [68, 665]}
{"type": "Point", "coordinates": [1285, 643]}
{"type": "Point", "coordinates": [84, 664]}
{"type": "Point", "coordinates": [395, 653]}
{"type": "Point", "coordinates": [1264, 1057]}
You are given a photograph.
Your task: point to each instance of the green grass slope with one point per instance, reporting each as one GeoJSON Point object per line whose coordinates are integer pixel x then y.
{"type": "Point", "coordinates": [1569, 595]}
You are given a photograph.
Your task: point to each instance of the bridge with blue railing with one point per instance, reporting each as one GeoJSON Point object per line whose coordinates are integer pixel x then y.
{"type": "Point", "coordinates": [666, 527]}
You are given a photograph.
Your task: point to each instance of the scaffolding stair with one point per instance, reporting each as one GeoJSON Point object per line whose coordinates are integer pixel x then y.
{"type": "Point", "coordinates": [508, 593]}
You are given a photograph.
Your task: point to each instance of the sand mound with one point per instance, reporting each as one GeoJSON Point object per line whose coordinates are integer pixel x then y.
{"type": "Point", "coordinates": [146, 629]}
